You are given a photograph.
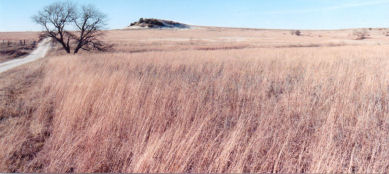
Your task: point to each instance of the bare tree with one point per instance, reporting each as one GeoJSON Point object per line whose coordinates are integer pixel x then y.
{"type": "Point", "coordinates": [54, 18]}
{"type": "Point", "coordinates": [89, 23]}
{"type": "Point", "coordinates": [58, 19]}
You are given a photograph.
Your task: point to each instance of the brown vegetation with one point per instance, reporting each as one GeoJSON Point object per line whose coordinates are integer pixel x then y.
{"type": "Point", "coordinates": [361, 34]}
{"type": "Point", "coordinates": [23, 128]}
{"type": "Point", "coordinates": [145, 40]}
{"type": "Point", "coordinates": [182, 109]}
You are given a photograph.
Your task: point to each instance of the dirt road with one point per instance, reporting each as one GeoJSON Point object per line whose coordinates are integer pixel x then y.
{"type": "Point", "coordinates": [39, 52]}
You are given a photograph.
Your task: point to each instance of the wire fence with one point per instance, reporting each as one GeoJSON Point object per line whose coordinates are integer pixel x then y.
{"type": "Point", "coordinates": [6, 44]}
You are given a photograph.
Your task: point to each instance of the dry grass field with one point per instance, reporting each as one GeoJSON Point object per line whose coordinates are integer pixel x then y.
{"type": "Point", "coordinates": [203, 100]}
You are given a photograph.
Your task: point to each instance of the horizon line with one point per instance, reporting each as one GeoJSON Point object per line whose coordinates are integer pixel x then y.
{"type": "Point", "coordinates": [227, 27]}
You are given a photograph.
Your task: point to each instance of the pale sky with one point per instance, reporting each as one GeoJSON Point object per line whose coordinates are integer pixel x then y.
{"type": "Point", "coordinates": [15, 15]}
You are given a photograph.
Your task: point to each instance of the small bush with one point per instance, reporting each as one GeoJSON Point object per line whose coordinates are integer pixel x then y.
{"type": "Point", "coordinates": [296, 32]}
{"type": "Point", "coordinates": [360, 34]}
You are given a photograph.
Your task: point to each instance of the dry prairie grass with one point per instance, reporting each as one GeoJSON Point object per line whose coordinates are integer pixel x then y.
{"type": "Point", "coordinates": [21, 138]}
{"type": "Point", "coordinates": [283, 110]}
{"type": "Point", "coordinates": [16, 36]}
{"type": "Point", "coordinates": [225, 38]}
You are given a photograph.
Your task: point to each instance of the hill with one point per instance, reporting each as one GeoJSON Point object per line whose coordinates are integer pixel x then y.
{"type": "Point", "coordinates": [157, 23]}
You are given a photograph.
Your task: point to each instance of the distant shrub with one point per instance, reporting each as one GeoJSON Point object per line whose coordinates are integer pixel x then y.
{"type": "Point", "coordinates": [296, 32]}
{"type": "Point", "coordinates": [360, 34]}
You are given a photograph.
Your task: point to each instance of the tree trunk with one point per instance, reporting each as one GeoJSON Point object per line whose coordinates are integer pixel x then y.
{"type": "Point", "coordinates": [77, 48]}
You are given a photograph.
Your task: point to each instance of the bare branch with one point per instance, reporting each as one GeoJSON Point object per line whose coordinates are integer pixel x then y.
{"type": "Point", "coordinates": [89, 23]}
{"type": "Point", "coordinates": [87, 20]}
{"type": "Point", "coordinates": [55, 18]}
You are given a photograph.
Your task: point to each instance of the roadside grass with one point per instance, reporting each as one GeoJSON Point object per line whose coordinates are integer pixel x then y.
{"type": "Point", "coordinates": [24, 122]}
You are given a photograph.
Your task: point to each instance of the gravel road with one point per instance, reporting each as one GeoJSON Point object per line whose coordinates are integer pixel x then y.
{"type": "Point", "coordinates": [40, 52]}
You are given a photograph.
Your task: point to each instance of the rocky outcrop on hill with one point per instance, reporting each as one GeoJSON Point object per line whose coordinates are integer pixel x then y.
{"type": "Point", "coordinates": [157, 23]}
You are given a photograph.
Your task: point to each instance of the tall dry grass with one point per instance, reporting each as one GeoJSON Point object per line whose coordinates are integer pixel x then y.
{"type": "Point", "coordinates": [287, 110]}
